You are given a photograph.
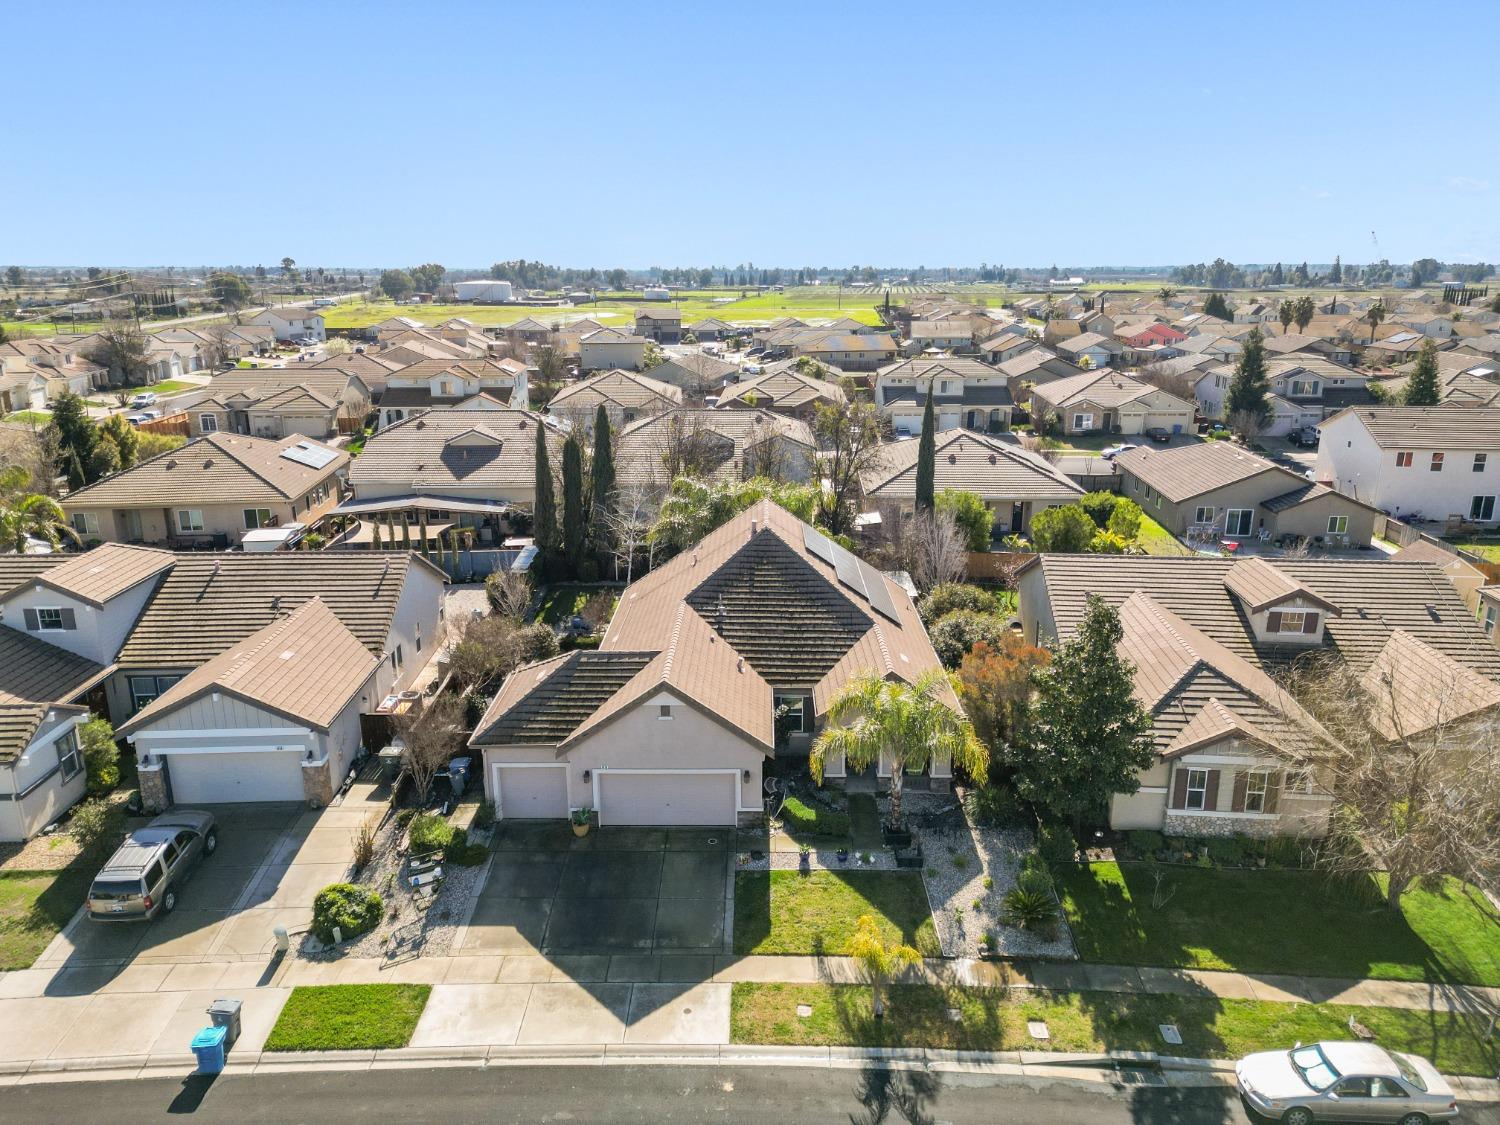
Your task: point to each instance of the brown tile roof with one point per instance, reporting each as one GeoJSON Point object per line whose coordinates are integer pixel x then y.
{"type": "Point", "coordinates": [256, 383]}
{"type": "Point", "coordinates": [98, 575]}
{"type": "Point", "coordinates": [621, 388]}
{"type": "Point", "coordinates": [415, 454]}
{"type": "Point", "coordinates": [1191, 470]}
{"type": "Point", "coordinates": [1448, 426]}
{"type": "Point", "coordinates": [305, 666]}
{"type": "Point", "coordinates": [1103, 387]}
{"type": "Point", "coordinates": [547, 701]}
{"type": "Point", "coordinates": [34, 676]}
{"type": "Point", "coordinates": [1417, 687]}
{"type": "Point", "coordinates": [785, 389]}
{"type": "Point", "coordinates": [995, 468]}
{"type": "Point", "coordinates": [19, 723]}
{"type": "Point", "coordinates": [215, 468]}
{"type": "Point", "coordinates": [1260, 584]}
{"type": "Point", "coordinates": [730, 434]}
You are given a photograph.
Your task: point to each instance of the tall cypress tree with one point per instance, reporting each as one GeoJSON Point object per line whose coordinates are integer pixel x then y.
{"type": "Point", "coordinates": [544, 510]}
{"type": "Point", "coordinates": [602, 481]}
{"type": "Point", "coordinates": [573, 518]}
{"type": "Point", "coordinates": [1422, 387]}
{"type": "Point", "coordinates": [1249, 402]}
{"type": "Point", "coordinates": [926, 456]}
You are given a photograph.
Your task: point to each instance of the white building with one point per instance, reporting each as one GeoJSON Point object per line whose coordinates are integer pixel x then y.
{"type": "Point", "coordinates": [292, 323]}
{"type": "Point", "coordinates": [486, 291]}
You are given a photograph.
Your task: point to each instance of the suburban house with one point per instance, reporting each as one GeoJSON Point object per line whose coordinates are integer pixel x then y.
{"type": "Point", "coordinates": [1007, 345]}
{"type": "Point", "coordinates": [955, 334]}
{"type": "Point", "coordinates": [1416, 462]}
{"type": "Point", "coordinates": [863, 351]}
{"type": "Point", "coordinates": [720, 660]}
{"type": "Point", "coordinates": [696, 374]}
{"type": "Point", "coordinates": [1234, 753]}
{"type": "Point", "coordinates": [138, 621]}
{"type": "Point", "coordinates": [664, 325]}
{"type": "Point", "coordinates": [718, 444]}
{"type": "Point", "coordinates": [965, 392]}
{"type": "Point", "coordinates": [50, 367]}
{"type": "Point", "coordinates": [1298, 345]}
{"type": "Point", "coordinates": [274, 402]}
{"type": "Point", "coordinates": [1144, 334]}
{"type": "Point", "coordinates": [624, 394]}
{"type": "Point", "coordinates": [436, 383]}
{"type": "Point", "coordinates": [1398, 347]}
{"type": "Point", "coordinates": [1031, 367]}
{"type": "Point", "coordinates": [1217, 489]}
{"type": "Point", "coordinates": [712, 329]}
{"type": "Point", "coordinates": [612, 348]}
{"type": "Point", "coordinates": [1463, 575]}
{"type": "Point", "coordinates": [291, 324]}
{"type": "Point", "coordinates": [1108, 402]}
{"type": "Point", "coordinates": [1097, 350]}
{"type": "Point", "coordinates": [785, 390]}
{"type": "Point", "coordinates": [211, 492]}
{"type": "Point", "coordinates": [1014, 483]}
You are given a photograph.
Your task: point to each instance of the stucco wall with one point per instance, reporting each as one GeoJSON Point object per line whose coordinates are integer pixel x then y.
{"type": "Point", "coordinates": [100, 632]}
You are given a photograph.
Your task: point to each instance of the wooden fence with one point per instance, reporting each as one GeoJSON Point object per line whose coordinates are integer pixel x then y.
{"type": "Point", "coordinates": [996, 566]}
{"type": "Point", "coordinates": [170, 424]}
{"type": "Point", "coordinates": [1404, 535]}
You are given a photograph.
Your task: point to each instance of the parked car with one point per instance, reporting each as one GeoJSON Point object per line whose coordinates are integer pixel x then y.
{"type": "Point", "coordinates": [1159, 434]}
{"type": "Point", "coordinates": [143, 877]}
{"type": "Point", "coordinates": [1110, 452]}
{"type": "Point", "coordinates": [1344, 1081]}
{"type": "Point", "coordinates": [145, 398]}
{"type": "Point", "coordinates": [1307, 437]}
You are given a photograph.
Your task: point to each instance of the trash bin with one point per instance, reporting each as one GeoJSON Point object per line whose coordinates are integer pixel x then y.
{"type": "Point", "coordinates": [458, 775]}
{"type": "Point", "coordinates": [390, 763]}
{"type": "Point", "coordinates": [208, 1045]}
{"type": "Point", "coordinates": [226, 1014]}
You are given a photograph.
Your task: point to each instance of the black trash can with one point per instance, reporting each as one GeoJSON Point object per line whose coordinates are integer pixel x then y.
{"type": "Point", "coordinates": [458, 776]}
{"type": "Point", "coordinates": [226, 1014]}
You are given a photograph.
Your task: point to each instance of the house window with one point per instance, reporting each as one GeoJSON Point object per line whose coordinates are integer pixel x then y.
{"type": "Point", "coordinates": [1203, 515]}
{"type": "Point", "coordinates": [1487, 619]}
{"type": "Point", "coordinates": [664, 711]}
{"type": "Point", "coordinates": [1403, 459]}
{"type": "Point", "coordinates": [1083, 421]}
{"type": "Point", "coordinates": [258, 517]}
{"type": "Point", "coordinates": [1482, 508]}
{"type": "Point", "coordinates": [791, 713]}
{"type": "Point", "coordinates": [207, 424]}
{"type": "Point", "coordinates": [1256, 784]}
{"type": "Point", "coordinates": [68, 760]}
{"type": "Point", "coordinates": [145, 689]}
{"type": "Point", "coordinates": [398, 658]}
{"type": "Point", "coordinates": [1291, 621]}
{"type": "Point", "coordinates": [1338, 525]}
{"type": "Point", "coordinates": [1437, 463]}
{"type": "Point", "coordinates": [1237, 521]}
{"type": "Point", "coordinates": [1480, 461]}
{"type": "Point", "coordinates": [189, 519]}
{"type": "Point", "coordinates": [1299, 781]}
{"type": "Point", "coordinates": [1197, 790]}
{"type": "Point", "coordinates": [50, 618]}
{"type": "Point", "coordinates": [86, 523]}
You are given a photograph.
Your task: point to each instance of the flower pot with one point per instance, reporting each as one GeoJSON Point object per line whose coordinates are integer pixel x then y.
{"type": "Point", "coordinates": [580, 830]}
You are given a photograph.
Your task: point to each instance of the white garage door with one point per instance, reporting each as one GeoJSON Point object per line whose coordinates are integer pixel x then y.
{"type": "Point", "coordinates": [206, 779]}
{"type": "Point", "coordinates": [667, 798]}
{"type": "Point", "coordinates": [531, 792]}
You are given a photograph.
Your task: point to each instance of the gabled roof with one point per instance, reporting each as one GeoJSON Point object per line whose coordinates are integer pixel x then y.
{"type": "Point", "coordinates": [783, 389]}
{"type": "Point", "coordinates": [622, 388]}
{"type": "Point", "coordinates": [1191, 470]}
{"type": "Point", "coordinates": [733, 433]}
{"type": "Point", "coordinates": [1261, 584]}
{"type": "Point", "coordinates": [19, 723]}
{"type": "Point", "coordinates": [1102, 387]}
{"type": "Point", "coordinates": [1448, 426]}
{"type": "Point", "coordinates": [306, 666]}
{"type": "Point", "coordinates": [415, 453]}
{"type": "Point", "coordinates": [105, 572]}
{"type": "Point", "coordinates": [995, 468]}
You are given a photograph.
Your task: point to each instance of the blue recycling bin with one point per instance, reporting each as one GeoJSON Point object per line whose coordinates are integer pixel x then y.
{"type": "Point", "coordinates": [208, 1045]}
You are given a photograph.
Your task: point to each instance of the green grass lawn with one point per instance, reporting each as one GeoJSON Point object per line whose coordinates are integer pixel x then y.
{"type": "Point", "coordinates": [29, 418]}
{"type": "Point", "coordinates": [560, 603]}
{"type": "Point", "coordinates": [1302, 922]}
{"type": "Point", "coordinates": [34, 907]}
{"type": "Point", "coordinates": [348, 1017]}
{"type": "Point", "coordinates": [786, 912]}
{"type": "Point", "coordinates": [1157, 540]}
{"type": "Point", "coordinates": [1488, 549]}
{"type": "Point", "coordinates": [917, 1016]}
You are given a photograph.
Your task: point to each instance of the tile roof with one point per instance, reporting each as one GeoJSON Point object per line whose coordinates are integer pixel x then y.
{"type": "Point", "coordinates": [622, 388]}
{"type": "Point", "coordinates": [19, 723]}
{"type": "Point", "coordinates": [1448, 426]}
{"type": "Point", "coordinates": [547, 701]}
{"type": "Point", "coordinates": [729, 435]}
{"type": "Point", "coordinates": [995, 468]}
{"type": "Point", "coordinates": [415, 453]}
{"type": "Point", "coordinates": [216, 468]}
{"type": "Point", "coordinates": [1103, 387]}
{"type": "Point", "coordinates": [1417, 687]}
{"type": "Point", "coordinates": [100, 574]}
{"type": "Point", "coordinates": [306, 666]}
{"type": "Point", "coordinates": [1260, 584]}
{"type": "Point", "coordinates": [35, 674]}
{"type": "Point", "coordinates": [784, 389]}
{"type": "Point", "coordinates": [1191, 470]}
{"type": "Point", "coordinates": [256, 383]}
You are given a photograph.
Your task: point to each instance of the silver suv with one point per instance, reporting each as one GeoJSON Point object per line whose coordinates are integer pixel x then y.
{"type": "Point", "coordinates": [142, 878]}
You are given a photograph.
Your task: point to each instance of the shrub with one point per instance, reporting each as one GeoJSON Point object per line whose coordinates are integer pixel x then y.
{"type": "Point", "coordinates": [95, 824]}
{"type": "Point", "coordinates": [1029, 909]}
{"type": "Point", "coordinates": [1067, 528]}
{"type": "Point", "coordinates": [353, 909]}
{"type": "Point", "coordinates": [1286, 851]}
{"type": "Point", "coordinates": [1125, 520]}
{"type": "Point", "coordinates": [1035, 880]}
{"type": "Point", "coordinates": [1108, 543]}
{"type": "Point", "coordinates": [947, 597]}
{"type": "Point", "coordinates": [958, 632]}
{"type": "Point", "coordinates": [101, 755]}
{"type": "Point", "coordinates": [1100, 506]}
{"type": "Point", "coordinates": [461, 853]}
{"type": "Point", "coordinates": [970, 514]}
{"type": "Point", "coordinates": [428, 833]}
{"type": "Point", "coordinates": [800, 817]}
{"type": "Point", "coordinates": [994, 804]}
{"type": "Point", "coordinates": [403, 818]}
{"type": "Point", "coordinates": [1229, 851]}
{"type": "Point", "coordinates": [364, 843]}
{"type": "Point", "coordinates": [538, 642]}
{"type": "Point", "coordinates": [1144, 842]}
{"type": "Point", "coordinates": [1033, 861]}
{"type": "Point", "coordinates": [484, 816]}
{"type": "Point", "coordinates": [1057, 845]}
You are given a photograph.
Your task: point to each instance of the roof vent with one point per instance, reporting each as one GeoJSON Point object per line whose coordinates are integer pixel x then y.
{"type": "Point", "coordinates": [754, 526]}
{"type": "Point", "coordinates": [209, 463]}
{"type": "Point", "coordinates": [740, 664]}
{"type": "Point", "coordinates": [695, 556]}
{"type": "Point", "coordinates": [952, 460]}
{"type": "Point", "coordinates": [421, 424]}
{"type": "Point", "coordinates": [992, 458]}
{"type": "Point", "coordinates": [217, 564]}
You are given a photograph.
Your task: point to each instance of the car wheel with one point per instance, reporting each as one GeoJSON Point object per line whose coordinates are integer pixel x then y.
{"type": "Point", "coordinates": [210, 842]}
{"type": "Point", "coordinates": [1414, 1118]}
{"type": "Point", "coordinates": [1297, 1116]}
{"type": "Point", "coordinates": [169, 902]}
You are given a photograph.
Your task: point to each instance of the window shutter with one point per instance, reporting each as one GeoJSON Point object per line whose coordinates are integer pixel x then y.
{"type": "Point", "coordinates": [69, 619]}
{"type": "Point", "coordinates": [1179, 789]}
{"type": "Point", "coordinates": [1237, 804]}
{"type": "Point", "coordinates": [1273, 791]}
{"type": "Point", "coordinates": [1310, 623]}
{"type": "Point", "coordinates": [1211, 797]}
{"type": "Point", "coordinates": [31, 622]}
{"type": "Point", "coordinates": [1273, 621]}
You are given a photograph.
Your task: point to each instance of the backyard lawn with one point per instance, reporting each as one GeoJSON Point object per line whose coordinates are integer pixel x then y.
{"type": "Point", "coordinates": [1301, 922]}
{"type": "Point", "coordinates": [917, 1016]}
{"type": "Point", "coordinates": [348, 1017]}
{"type": "Point", "coordinates": [1486, 548]}
{"type": "Point", "coordinates": [560, 603]}
{"type": "Point", "coordinates": [787, 912]}
{"type": "Point", "coordinates": [1157, 540]}
{"type": "Point", "coordinates": [34, 907]}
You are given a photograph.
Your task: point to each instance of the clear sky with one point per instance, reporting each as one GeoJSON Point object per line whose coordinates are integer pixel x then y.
{"type": "Point", "coordinates": [807, 133]}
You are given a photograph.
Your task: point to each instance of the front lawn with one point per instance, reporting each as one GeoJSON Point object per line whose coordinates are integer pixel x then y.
{"type": "Point", "coordinates": [29, 418]}
{"type": "Point", "coordinates": [1293, 921]}
{"type": "Point", "coordinates": [34, 907]}
{"type": "Point", "coordinates": [348, 1017]}
{"type": "Point", "coordinates": [1485, 548]}
{"type": "Point", "coordinates": [786, 912]}
{"type": "Point", "coordinates": [917, 1016]}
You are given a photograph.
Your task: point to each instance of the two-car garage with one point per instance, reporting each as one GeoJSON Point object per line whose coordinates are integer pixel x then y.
{"type": "Point", "coordinates": [536, 791]}
{"type": "Point", "coordinates": [211, 778]}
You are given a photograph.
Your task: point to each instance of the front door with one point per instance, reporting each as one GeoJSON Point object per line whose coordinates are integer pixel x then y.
{"type": "Point", "coordinates": [1017, 516]}
{"type": "Point", "coordinates": [130, 523]}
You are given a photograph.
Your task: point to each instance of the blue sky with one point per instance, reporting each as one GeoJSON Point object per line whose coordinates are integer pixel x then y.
{"type": "Point", "coordinates": [780, 133]}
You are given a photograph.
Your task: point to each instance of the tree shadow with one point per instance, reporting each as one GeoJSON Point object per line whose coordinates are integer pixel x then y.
{"type": "Point", "coordinates": [896, 1095]}
{"type": "Point", "coordinates": [1156, 1105]}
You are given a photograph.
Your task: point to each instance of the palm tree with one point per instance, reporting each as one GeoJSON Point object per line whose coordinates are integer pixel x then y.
{"type": "Point", "coordinates": [1375, 315]}
{"type": "Point", "coordinates": [33, 516]}
{"type": "Point", "coordinates": [1286, 312]}
{"type": "Point", "coordinates": [873, 719]}
{"type": "Point", "coordinates": [1165, 293]}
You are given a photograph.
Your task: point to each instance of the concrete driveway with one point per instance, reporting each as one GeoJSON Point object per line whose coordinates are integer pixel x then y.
{"type": "Point", "coordinates": [615, 891]}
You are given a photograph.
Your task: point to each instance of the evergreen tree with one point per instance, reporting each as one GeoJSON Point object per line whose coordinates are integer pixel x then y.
{"type": "Point", "coordinates": [926, 456]}
{"type": "Point", "coordinates": [1336, 275]}
{"type": "Point", "coordinates": [544, 511]}
{"type": "Point", "coordinates": [1217, 306]}
{"type": "Point", "coordinates": [405, 533]}
{"type": "Point", "coordinates": [1249, 403]}
{"type": "Point", "coordinates": [573, 518]}
{"type": "Point", "coordinates": [1088, 736]}
{"type": "Point", "coordinates": [602, 481]}
{"type": "Point", "coordinates": [422, 530]}
{"type": "Point", "coordinates": [76, 435]}
{"type": "Point", "coordinates": [1278, 276]}
{"type": "Point", "coordinates": [1422, 387]}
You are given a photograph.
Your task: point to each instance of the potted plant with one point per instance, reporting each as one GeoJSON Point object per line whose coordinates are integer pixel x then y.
{"type": "Point", "coordinates": [581, 819]}
{"type": "Point", "coordinates": [804, 859]}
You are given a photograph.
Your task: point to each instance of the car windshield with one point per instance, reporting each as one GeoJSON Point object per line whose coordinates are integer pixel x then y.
{"type": "Point", "coordinates": [1314, 1067]}
{"type": "Point", "coordinates": [1408, 1072]}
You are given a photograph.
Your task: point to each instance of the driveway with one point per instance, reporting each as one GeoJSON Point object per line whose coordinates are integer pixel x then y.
{"type": "Point", "coordinates": [617, 890]}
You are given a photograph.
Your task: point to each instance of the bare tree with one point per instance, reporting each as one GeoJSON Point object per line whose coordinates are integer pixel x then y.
{"type": "Point", "coordinates": [1246, 424]}
{"type": "Point", "coordinates": [509, 594]}
{"type": "Point", "coordinates": [487, 650]}
{"type": "Point", "coordinates": [219, 348]}
{"type": "Point", "coordinates": [122, 352]}
{"type": "Point", "coordinates": [431, 736]}
{"type": "Point", "coordinates": [1183, 384]}
{"type": "Point", "coordinates": [849, 434]}
{"type": "Point", "coordinates": [1410, 763]}
{"type": "Point", "coordinates": [629, 520]}
{"type": "Point", "coordinates": [928, 546]}
{"type": "Point", "coordinates": [687, 447]}
{"type": "Point", "coordinates": [768, 453]}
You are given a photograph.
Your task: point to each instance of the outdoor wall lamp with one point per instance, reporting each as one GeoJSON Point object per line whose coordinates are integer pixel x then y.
{"type": "Point", "coordinates": [588, 775]}
{"type": "Point", "coordinates": [746, 775]}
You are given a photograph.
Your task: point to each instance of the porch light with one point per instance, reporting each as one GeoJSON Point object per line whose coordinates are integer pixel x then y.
{"type": "Point", "coordinates": [588, 775]}
{"type": "Point", "coordinates": [746, 775]}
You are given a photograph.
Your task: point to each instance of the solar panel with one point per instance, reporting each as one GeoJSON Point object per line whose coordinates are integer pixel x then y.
{"type": "Point", "coordinates": [847, 568]}
{"type": "Point", "coordinates": [878, 592]}
{"type": "Point", "coordinates": [816, 542]}
{"type": "Point", "coordinates": [306, 453]}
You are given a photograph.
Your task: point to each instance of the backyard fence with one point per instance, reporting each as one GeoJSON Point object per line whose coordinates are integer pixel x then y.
{"type": "Point", "coordinates": [1404, 535]}
{"type": "Point", "coordinates": [996, 566]}
{"type": "Point", "coordinates": [170, 424]}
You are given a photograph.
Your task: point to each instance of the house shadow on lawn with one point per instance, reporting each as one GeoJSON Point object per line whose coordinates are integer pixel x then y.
{"type": "Point", "coordinates": [787, 912]}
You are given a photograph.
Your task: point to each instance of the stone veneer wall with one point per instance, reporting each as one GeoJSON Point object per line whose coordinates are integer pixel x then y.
{"type": "Point", "coordinates": [1179, 823]}
{"type": "Point", "coordinates": [317, 783]}
{"type": "Point", "coordinates": [152, 779]}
